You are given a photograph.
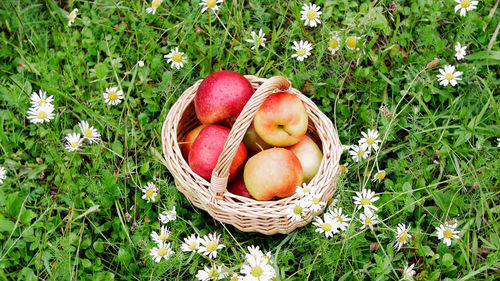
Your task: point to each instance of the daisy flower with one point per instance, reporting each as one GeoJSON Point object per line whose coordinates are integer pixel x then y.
{"type": "Point", "coordinates": [358, 153]}
{"type": "Point", "coordinates": [140, 63]}
{"type": "Point", "coordinates": [215, 272]}
{"type": "Point", "coordinates": [210, 4]}
{"type": "Point", "coordinates": [365, 199]}
{"type": "Point", "coordinates": [257, 39]}
{"type": "Point", "coordinates": [162, 250]}
{"type": "Point", "coordinates": [369, 219]}
{"type": "Point", "coordinates": [465, 6]}
{"type": "Point", "coordinates": [162, 237]}
{"type": "Point", "coordinates": [341, 219]}
{"type": "Point", "coordinates": [304, 190]}
{"type": "Point", "coordinates": [315, 203]}
{"type": "Point", "coordinates": [334, 44]}
{"type": "Point", "coordinates": [402, 236]}
{"type": "Point", "coordinates": [191, 243]}
{"type": "Point", "coordinates": [446, 232]}
{"type": "Point", "coordinates": [176, 58]}
{"type": "Point", "coordinates": [235, 277]}
{"type": "Point", "coordinates": [257, 269]}
{"type": "Point", "coordinates": [154, 5]}
{"type": "Point", "coordinates": [73, 142]}
{"type": "Point", "coordinates": [298, 210]}
{"type": "Point", "coordinates": [41, 114]}
{"type": "Point", "coordinates": [255, 252]}
{"type": "Point", "coordinates": [351, 42]}
{"type": "Point", "coordinates": [40, 98]}
{"type": "Point", "coordinates": [113, 96]}
{"type": "Point", "coordinates": [448, 75]}
{"type": "Point", "coordinates": [3, 174]}
{"type": "Point", "coordinates": [72, 16]}
{"type": "Point", "coordinates": [210, 245]}
{"type": "Point", "coordinates": [379, 176]}
{"type": "Point", "coordinates": [343, 168]}
{"type": "Point", "coordinates": [498, 140]}
{"type": "Point", "coordinates": [167, 216]}
{"type": "Point", "coordinates": [89, 132]}
{"type": "Point", "coordinates": [460, 51]}
{"type": "Point", "coordinates": [302, 50]}
{"type": "Point", "coordinates": [369, 140]}
{"type": "Point", "coordinates": [327, 226]}
{"type": "Point", "coordinates": [310, 14]}
{"type": "Point", "coordinates": [408, 272]}
{"type": "Point", "coordinates": [150, 192]}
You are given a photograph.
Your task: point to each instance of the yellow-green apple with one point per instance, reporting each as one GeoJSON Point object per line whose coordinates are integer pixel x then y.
{"type": "Point", "coordinates": [189, 139]}
{"type": "Point", "coordinates": [281, 120]}
{"type": "Point", "coordinates": [206, 150]}
{"type": "Point", "coordinates": [309, 156]}
{"type": "Point", "coordinates": [238, 187]}
{"type": "Point", "coordinates": [274, 172]}
{"type": "Point", "coordinates": [253, 142]}
{"type": "Point", "coordinates": [221, 95]}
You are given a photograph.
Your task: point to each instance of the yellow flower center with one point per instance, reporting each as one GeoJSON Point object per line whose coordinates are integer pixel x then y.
{"type": "Point", "coordinates": [211, 3]}
{"type": "Point", "coordinates": [326, 227]}
{"type": "Point", "coordinates": [368, 221]}
{"type": "Point", "coordinates": [150, 192]}
{"type": "Point", "coordinates": [380, 176]}
{"type": "Point", "coordinates": [449, 76]}
{"type": "Point", "coordinates": [41, 102]}
{"type": "Point", "coordinates": [365, 201]}
{"type": "Point", "coordinates": [333, 43]}
{"type": "Point", "coordinates": [342, 169]}
{"type": "Point", "coordinates": [74, 144]}
{"type": "Point", "coordinates": [42, 115]}
{"type": "Point", "coordinates": [351, 42]}
{"type": "Point", "coordinates": [257, 271]}
{"type": "Point", "coordinates": [301, 52]}
{"type": "Point", "coordinates": [87, 133]}
{"type": "Point", "coordinates": [235, 278]}
{"type": "Point", "coordinates": [156, 3]}
{"type": "Point", "coordinates": [403, 237]}
{"type": "Point", "coordinates": [259, 41]}
{"type": "Point", "coordinates": [307, 190]}
{"type": "Point", "coordinates": [162, 252]}
{"type": "Point", "coordinates": [211, 246]}
{"type": "Point", "coordinates": [361, 153]}
{"type": "Point", "coordinates": [214, 273]}
{"type": "Point", "coordinates": [465, 4]}
{"type": "Point", "coordinates": [370, 141]}
{"type": "Point", "coordinates": [448, 234]}
{"type": "Point", "coordinates": [112, 96]}
{"type": "Point", "coordinates": [338, 218]}
{"type": "Point", "coordinates": [192, 246]}
{"type": "Point", "coordinates": [315, 201]}
{"type": "Point", "coordinates": [297, 210]}
{"type": "Point", "coordinates": [177, 57]}
{"type": "Point", "coordinates": [72, 16]}
{"type": "Point", "coordinates": [311, 14]}
{"type": "Point", "coordinates": [162, 237]}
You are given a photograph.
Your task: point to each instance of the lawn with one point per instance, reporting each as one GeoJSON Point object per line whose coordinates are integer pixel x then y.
{"type": "Point", "coordinates": [77, 209]}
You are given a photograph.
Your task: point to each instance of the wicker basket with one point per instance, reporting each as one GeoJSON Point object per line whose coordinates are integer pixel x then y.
{"type": "Point", "coordinates": [267, 217]}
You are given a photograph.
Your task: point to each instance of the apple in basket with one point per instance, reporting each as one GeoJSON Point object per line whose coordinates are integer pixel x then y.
{"type": "Point", "coordinates": [221, 96]}
{"type": "Point", "coordinates": [274, 172]}
{"type": "Point", "coordinates": [281, 120]}
{"type": "Point", "coordinates": [206, 150]}
{"type": "Point", "coordinates": [238, 187]}
{"type": "Point", "coordinates": [189, 139]}
{"type": "Point", "coordinates": [309, 155]}
{"type": "Point", "coordinates": [253, 142]}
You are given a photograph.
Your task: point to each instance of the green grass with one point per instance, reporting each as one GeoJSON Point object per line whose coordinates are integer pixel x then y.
{"type": "Point", "coordinates": [440, 150]}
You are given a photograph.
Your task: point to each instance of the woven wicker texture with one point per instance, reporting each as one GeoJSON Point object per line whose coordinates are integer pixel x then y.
{"type": "Point", "coordinates": [267, 217]}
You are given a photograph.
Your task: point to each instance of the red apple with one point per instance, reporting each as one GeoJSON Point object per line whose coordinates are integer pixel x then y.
{"type": "Point", "coordinates": [309, 155]}
{"type": "Point", "coordinates": [206, 150]}
{"type": "Point", "coordinates": [253, 142]}
{"type": "Point", "coordinates": [221, 95]}
{"type": "Point", "coordinates": [275, 172]}
{"type": "Point", "coordinates": [189, 139]}
{"type": "Point", "coordinates": [238, 187]}
{"type": "Point", "coordinates": [281, 120]}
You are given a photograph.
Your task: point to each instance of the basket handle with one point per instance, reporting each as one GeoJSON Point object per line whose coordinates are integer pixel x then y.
{"type": "Point", "coordinates": [220, 174]}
